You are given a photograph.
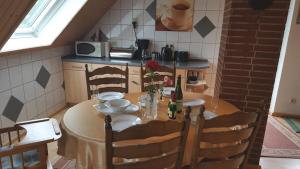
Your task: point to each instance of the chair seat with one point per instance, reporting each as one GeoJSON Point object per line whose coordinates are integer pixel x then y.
{"type": "Point", "coordinates": [31, 159]}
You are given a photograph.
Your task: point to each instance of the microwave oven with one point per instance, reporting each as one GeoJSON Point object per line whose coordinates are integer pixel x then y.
{"type": "Point", "coordinates": [86, 48]}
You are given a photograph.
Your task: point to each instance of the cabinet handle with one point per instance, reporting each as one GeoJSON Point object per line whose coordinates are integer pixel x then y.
{"type": "Point", "coordinates": [77, 67]}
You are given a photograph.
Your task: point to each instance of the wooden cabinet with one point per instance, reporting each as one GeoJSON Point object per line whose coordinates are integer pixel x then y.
{"type": "Point", "coordinates": [75, 82]}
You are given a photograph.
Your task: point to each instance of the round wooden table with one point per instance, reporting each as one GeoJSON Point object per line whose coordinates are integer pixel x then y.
{"type": "Point", "coordinates": [84, 134]}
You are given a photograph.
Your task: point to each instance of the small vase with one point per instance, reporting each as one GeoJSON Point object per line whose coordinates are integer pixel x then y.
{"type": "Point", "coordinates": [151, 106]}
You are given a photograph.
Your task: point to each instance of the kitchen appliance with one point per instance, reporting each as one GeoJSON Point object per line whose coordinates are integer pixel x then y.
{"type": "Point", "coordinates": [143, 45]}
{"type": "Point", "coordinates": [121, 53]}
{"type": "Point", "coordinates": [182, 56]}
{"type": "Point", "coordinates": [91, 49]}
{"type": "Point", "coordinates": [166, 53]}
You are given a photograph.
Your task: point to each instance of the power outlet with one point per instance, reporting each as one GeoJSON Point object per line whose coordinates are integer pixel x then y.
{"type": "Point", "coordinates": [293, 101]}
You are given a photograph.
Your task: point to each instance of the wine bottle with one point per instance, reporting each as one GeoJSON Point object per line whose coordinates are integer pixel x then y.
{"type": "Point", "coordinates": [179, 95]}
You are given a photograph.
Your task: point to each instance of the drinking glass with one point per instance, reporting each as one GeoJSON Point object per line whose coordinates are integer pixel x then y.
{"type": "Point", "coordinates": [214, 103]}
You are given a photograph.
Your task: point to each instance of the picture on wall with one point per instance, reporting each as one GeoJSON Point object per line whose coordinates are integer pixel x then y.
{"type": "Point", "coordinates": [174, 15]}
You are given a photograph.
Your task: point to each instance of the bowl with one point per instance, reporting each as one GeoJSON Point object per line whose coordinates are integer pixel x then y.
{"type": "Point", "coordinates": [117, 105]}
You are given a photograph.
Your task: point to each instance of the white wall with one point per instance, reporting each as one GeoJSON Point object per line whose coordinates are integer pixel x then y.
{"type": "Point", "coordinates": [17, 78]}
{"type": "Point", "coordinates": [287, 83]}
{"type": "Point", "coordinates": [116, 25]}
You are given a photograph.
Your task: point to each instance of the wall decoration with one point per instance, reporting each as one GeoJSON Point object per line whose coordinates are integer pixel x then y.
{"type": "Point", "coordinates": [174, 15]}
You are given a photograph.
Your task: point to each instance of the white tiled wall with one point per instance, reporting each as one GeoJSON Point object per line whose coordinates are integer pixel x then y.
{"type": "Point", "coordinates": [17, 78]}
{"type": "Point", "coordinates": [116, 25]}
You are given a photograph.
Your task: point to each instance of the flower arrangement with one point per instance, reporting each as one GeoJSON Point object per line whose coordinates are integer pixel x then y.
{"type": "Point", "coordinates": [151, 67]}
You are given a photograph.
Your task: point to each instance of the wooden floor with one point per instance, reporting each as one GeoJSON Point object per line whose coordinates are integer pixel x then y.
{"type": "Point", "coordinates": [266, 163]}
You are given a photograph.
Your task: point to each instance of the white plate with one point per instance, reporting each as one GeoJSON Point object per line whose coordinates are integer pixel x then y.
{"type": "Point", "coordinates": [167, 91]}
{"type": "Point", "coordinates": [122, 122]}
{"type": "Point", "coordinates": [105, 96]}
{"type": "Point", "coordinates": [194, 103]}
{"type": "Point", "coordinates": [209, 115]}
{"type": "Point", "coordinates": [107, 111]}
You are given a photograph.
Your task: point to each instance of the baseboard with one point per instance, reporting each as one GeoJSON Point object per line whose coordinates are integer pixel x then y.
{"type": "Point", "coordinates": [278, 114]}
{"type": "Point", "coordinates": [59, 110]}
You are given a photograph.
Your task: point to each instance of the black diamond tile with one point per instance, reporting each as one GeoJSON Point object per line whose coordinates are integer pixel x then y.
{"type": "Point", "coordinates": [43, 77]}
{"type": "Point", "coordinates": [13, 109]}
{"type": "Point", "coordinates": [102, 37]}
{"type": "Point", "coordinates": [93, 37]}
{"type": "Point", "coordinates": [204, 26]}
{"type": "Point", "coordinates": [151, 9]}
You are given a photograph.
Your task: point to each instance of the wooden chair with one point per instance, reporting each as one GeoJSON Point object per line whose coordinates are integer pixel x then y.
{"type": "Point", "coordinates": [154, 145]}
{"type": "Point", "coordinates": [224, 142]}
{"type": "Point", "coordinates": [106, 79]}
{"type": "Point", "coordinates": [25, 144]}
{"type": "Point", "coordinates": [163, 71]}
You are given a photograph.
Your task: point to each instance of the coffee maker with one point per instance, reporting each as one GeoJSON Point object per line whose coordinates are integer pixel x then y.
{"type": "Point", "coordinates": [142, 45]}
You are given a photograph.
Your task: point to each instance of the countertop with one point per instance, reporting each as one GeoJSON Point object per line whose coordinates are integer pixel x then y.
{"type": "Point", "coordinates": [191, 64]}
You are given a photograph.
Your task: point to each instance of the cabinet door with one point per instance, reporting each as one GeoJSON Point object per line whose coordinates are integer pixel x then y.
{"type": "Point", "coordinates": [133, 87]}
{"type": "Point", "coordinates": [75, 86]}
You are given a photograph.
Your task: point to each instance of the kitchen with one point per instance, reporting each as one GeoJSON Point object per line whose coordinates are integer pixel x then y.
{"type": "Point", "coordinates": [42, 80]}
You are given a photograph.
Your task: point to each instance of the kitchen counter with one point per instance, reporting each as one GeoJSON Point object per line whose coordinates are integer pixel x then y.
{"type": "Point", "coordinates": [191, 64]}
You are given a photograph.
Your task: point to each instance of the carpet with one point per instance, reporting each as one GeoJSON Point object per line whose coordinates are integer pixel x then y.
{"type": "Point", "coordinates": [293, 123]}
{"type": "Point", "coordinates": [280, 141]}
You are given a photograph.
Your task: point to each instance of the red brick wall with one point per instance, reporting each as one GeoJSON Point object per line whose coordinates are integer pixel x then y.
{"type": "Point", "coordinates": [249, 52]}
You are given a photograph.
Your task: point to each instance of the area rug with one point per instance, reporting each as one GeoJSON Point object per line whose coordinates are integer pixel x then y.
{"type": "Point", "coordinates": [280, 141]}
{"type": "Point", "coordinates": [293, 123]}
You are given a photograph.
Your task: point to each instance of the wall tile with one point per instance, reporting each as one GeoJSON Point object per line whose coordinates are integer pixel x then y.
{"type": "Point", "coordinates": [148, 20]}
{"type": "Point", "coordinates": [117, 5]}
{"type": "Point", "coordinates": [4, 97]}
{"type": "Point", "coordinates": [39, 90]}
{"type": "Point", "coordinates": [29, 91]}
{"type": "Point", "coordinates": [14, 60]}
{"type": "Point", "coordinates": [105, 19]}
{"type": "Point", "coordinates": [184, 37]}
{"type": "Point", "coordinates": [213, 4]}
{"type": "Point", "coordinates": [213, 17]}
{"type": "Point", "coordinates": [126, 17]}
{"type": "Point", "coordinates": [138, 16]}
{"type": "Point", "coordinates": [3, 62]}
{"type": "Point", "coordinates": [26, 58]}
{"type": "Point", "coordinates": [200, 5]}
{"type": "Point", "coordinates": [18, 92]}
{"type": "Point", "coordinates": [115, 32]}
{"type": "Point", "coordinates": [31, 109]}
{"type": "Point", "coordinates": [15, 74]}
{"type": "Point", "coordinates": [137, 4]}
{"type": "Point", "coordinates": [27, 72]}
{"type": "Point", "coordinates": [126, 4]}
{"type": "Point", "coordinates": [149, 32]}
{"type": "Point", "coordinates": [208, 51]}
{"type": "Point", "coordinates": [195, 50]}
{"type": "Point", "coordinates": [160, 36]}
{"type": "Point", "coordinates": [41, 104]}
{"type": "Point", "coordinates": [183, 47]}
{"type": "Point", "coordinates": [115, 17]}
{"type": "Point", "coordinates": [126, 32]}
{"type": "Point", "coordinates": [4, 80]}
{"type": "Point", "coordinates": [172, 36]}
{"type": "Point", "coordinates": [49, 100]}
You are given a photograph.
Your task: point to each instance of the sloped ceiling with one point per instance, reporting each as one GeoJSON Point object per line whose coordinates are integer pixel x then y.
{"type": "Point", "coordinates": [84, 21]}
{"type": "Point", "coordinates": [12, 13]}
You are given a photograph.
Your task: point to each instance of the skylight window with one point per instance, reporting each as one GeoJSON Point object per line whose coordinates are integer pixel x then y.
{"type": "Point", "coordinates": [42, 25]}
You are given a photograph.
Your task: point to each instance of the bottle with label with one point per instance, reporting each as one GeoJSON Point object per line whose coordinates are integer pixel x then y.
{"type": "Point", "coordinates": [172, 106]}
{"type": "Point", "coordinates": [179, 95]}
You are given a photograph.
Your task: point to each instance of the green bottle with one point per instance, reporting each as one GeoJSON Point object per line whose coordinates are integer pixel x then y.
{"type": "Point", "coordinates": [179, 95]}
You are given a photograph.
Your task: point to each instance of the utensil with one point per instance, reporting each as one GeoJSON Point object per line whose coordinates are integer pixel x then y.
{"type": "Point", "coordinates": [105, 96]}
{"type": "Point", "coordinates": [117, 105]}
{"type": "Point", "coordinates": [122, 122]}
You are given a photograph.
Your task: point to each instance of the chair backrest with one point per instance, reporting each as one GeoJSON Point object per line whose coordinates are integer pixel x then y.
{"type": "Point", "coordinates": [19, 151]}
{"type": "Point", "coordinates": [224, 142]}
{"type": "Point", "coordinates": [163, 71]}
{"type": "Point", "coordinates": [154, 145]}
{"type": "Point", "coordinates": [102, 80]}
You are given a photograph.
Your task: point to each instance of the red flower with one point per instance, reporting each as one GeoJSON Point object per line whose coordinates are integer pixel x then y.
{"type": "Point", "coordinates": [152, 65]}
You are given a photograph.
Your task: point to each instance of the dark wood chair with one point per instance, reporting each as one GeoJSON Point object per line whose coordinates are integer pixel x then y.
{"type": "Point", "coordinates": [105, 79]}
{"type": "Point", "coordinates": [163, 71]}
{"type": "Point", "coordinates": [154, 145]}
{"type": "Point", "coordinates": [224, 142]}
{"type": "Point", "coordinates": [25, 144]}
